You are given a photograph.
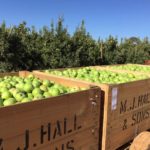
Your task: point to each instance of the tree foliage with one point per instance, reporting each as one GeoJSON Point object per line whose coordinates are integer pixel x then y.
{"type": "Point", "coordinates": [24, 48]}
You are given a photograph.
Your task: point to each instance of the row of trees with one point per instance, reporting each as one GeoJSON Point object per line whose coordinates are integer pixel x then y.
{"type": "Point", "coordinates": [24, 48]}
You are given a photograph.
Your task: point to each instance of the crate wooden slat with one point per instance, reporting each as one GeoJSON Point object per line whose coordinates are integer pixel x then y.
{"type": "Point", "coordinates": [9, 74]}
{"type": "Point", "coordinates": [126, 110]}
{"type": "Point", "coordinates": [69, 121]}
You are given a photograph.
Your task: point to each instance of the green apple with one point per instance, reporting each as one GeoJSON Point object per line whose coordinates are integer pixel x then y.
{"type": "Point", "coordinates": [43, 88]}
{"type": "Point", "coordinates": [62, 90]}
{"type": "Point", "coordinates": [19, 79]}
{"type": "Point", "coordinates": [6, 77]}
{"type": "Point", "coordinates": [54, 91]}
{"type": "Point", "coordinates": [47, 83]}
{"type": "Point", "coordinates": [15, 91]}
{"type": "Point", "coordinates": [36, 83]}
{"type": "Point", "coordinates": [26, 99]}
{"type": "Point", "coordinates": [28, 80]}
{"type": "Point", "coordinates": [2, 84]}
{"type": "Point", "coordinates": [38, 96]}
{"type": "Point", "coordinates": [3, 89]}
{"type": "Point", "coordinates": [8, 85]}
{"type": "Point", "coordinates": [36, 91]}
{"type": "Point", "coordinates": [28, 87]}
{"type": "Point", "coordinates": [20, 86]}
{"type": "Point", "coordinates": [13, 83]}
{"type": "Point", "coordinates": [47, 94]}
{"type": "Point", "coordinates": [11, 90]}
{"type": "Point", "coordinates": [56, 86]}
{"type": "Point", "coordinates": [9, 102]}
{"type": "Point", "coordinates": [73, 89]}
{"type": "Point", "coordinates": [20, 96]}
{"type": "Point", "coordinates": [6, 95]}
{"type": "Point", "coordinates": [31, 76]}
{"type": "Point", "coordinates": [30, 96]}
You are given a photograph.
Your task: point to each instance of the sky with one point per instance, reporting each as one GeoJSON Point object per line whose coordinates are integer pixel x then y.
{"type": "Point", "coordinates": [119, 18]}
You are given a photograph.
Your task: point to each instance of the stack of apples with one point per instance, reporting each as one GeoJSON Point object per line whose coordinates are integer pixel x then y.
{"type": "Point", "coordinates": [15, 89]}
{"type": "Point", "coordinates": [99, 76]}
{"type": "Point", "coordinates": [132, 67]}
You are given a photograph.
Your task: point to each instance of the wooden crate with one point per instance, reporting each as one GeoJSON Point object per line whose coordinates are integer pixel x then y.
{"type": "Point", "coordinates": [147, 62]}
{"type": "Point", "coordinates": [126, 110]}
{"type": "Point", "coordinates": [66, 122]}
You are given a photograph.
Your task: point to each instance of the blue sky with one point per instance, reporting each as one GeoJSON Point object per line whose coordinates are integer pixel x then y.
{"type": "Point", "coordinates": [102, 17]}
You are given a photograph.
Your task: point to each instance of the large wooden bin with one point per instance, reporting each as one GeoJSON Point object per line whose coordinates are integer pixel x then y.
{"type": "Point", "coordinates": [126, 110]}
{"type": "Point", "coordinates": [66, 122]}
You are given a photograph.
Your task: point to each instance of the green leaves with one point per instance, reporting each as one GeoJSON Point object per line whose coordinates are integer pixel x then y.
{"type": "Point", "coordinates": [24, 48]}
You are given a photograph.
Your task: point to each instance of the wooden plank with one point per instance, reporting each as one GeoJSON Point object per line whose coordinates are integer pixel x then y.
{"type": "Point", "coordinates": [9, 74]}
{"type": "Point", "coordinates": [69, 121]}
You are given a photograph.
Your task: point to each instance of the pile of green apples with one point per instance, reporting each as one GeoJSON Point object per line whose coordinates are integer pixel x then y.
{"type": "Point", "coordinates": [98, 76]}
{"type": "Point", "coordinates": [132, 67]}
{"type": "Point", "coordinates": [15, 89]}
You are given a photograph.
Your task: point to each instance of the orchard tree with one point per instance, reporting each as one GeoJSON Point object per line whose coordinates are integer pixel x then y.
{"type": "Point", "coordinates": [110, 50]}
{"type": "Point", "coordinates": [84, 49]}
